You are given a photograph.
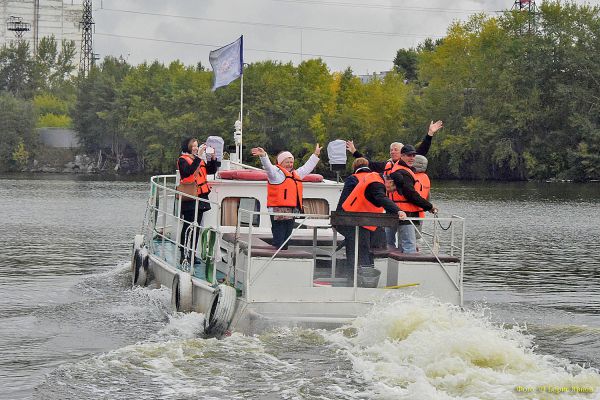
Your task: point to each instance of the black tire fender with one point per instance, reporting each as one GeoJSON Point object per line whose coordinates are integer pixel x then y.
{"type": "Point", "coordinates": [139, 268]}
{"type": "Point", "coordinates": [181, 292]}
{"type": "Point", "coordinates": [221, 311]}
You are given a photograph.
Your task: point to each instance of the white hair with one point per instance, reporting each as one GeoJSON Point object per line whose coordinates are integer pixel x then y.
{"type": "Point", "coordinates": [396, 144]}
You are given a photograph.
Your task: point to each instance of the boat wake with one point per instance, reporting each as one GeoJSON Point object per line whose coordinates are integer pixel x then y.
{"type": "Point", "coordinates": [415, 348]}
{"type": "Point", "coordinates": [405, 348]}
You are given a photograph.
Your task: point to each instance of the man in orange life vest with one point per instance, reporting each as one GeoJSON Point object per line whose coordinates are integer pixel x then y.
{"type": "Point", "coordinates": [408, 198]}
{"type": "Point", "coordinates": [390, 166]}
{"type": "Point", "coordinates": [284, 190]}
{"type": "Point", "coordinates": [192, 169]}
{"type": "Point", "coordinates": [423, 186]}
{"type": "Point", "coordinates": [364, 191]}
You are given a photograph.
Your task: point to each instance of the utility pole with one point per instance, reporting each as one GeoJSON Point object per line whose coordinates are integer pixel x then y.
{"type": "Point", "coordinates": [36, 25]}
{"type": "Point", "coordinates": [86, 56]}
{"type": "Point", "coordinates": [17, 26]}
{"type": "Point", "coordinates": [530, 8]}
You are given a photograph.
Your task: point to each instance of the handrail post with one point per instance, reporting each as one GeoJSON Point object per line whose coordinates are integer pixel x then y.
{"type": "Point", "coordinates": [452, 238]}
{"type": "Point", "coordinates": [250, 226]}
{"type": "Point", "coordinates": [355, 262]}
{"type": "Point", "coordinates": [164, 216]}
{"type": "Point", "coordinates": [195, 227]}
{"type": "Point", "coordinates": [462, 260]}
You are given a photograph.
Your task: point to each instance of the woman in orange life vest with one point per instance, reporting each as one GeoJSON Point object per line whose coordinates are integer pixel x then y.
{"type": "Point", "coordinates": [284, 190]}
{"type": "Point", "coordinates": [364, 191]}
{"type": "Point", "coordinates": [193, 169]}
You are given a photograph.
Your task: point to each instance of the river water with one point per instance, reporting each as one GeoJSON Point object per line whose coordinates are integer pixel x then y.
{"type": "Point", "coordinates": [71, 327]}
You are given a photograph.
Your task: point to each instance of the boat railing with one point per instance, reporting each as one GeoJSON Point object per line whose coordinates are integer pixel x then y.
{"type": "Point", "coordinates": [437, 236]}
{"type": "Point", "coordinates": [300, 221]}
{"type": "Point", "coordinates": [164, 223]}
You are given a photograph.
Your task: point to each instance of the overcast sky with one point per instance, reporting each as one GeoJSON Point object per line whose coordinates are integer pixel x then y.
{"type": "Point", "coordinates": [363, 35]}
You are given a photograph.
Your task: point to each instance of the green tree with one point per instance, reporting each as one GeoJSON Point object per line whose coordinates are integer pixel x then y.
{"type": "Point", "coordinates": [17, 69]}
{"type": "Point", "coordinates": [405, 62]}
{"type": "Point", "coordinates": [17, 136]}
{"type": "Point", "coordinates": [97, 116]}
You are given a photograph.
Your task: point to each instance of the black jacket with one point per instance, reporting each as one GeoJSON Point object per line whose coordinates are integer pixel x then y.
{"type": "Point", "coordinates": [405, 185]}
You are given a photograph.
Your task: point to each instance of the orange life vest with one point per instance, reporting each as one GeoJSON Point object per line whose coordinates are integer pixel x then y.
{"type": "Point", "coordinates": [389, 169]}
{"type": "Point", "coordinates": [357, 202]}
{"type": "Point", "coordinates": [287, 193]}
{"type": "Point", "coordinates": [423, 188]}
{"type": "Point", "coordinates": [400, 200]}
{"type": "Point", "coordinates": [198, 177]}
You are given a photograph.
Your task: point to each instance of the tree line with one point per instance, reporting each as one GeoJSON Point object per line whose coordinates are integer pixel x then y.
{"type": "Point", "coordinates": [518, 94]}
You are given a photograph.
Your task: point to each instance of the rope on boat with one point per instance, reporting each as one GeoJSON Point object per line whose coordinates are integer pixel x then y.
{"type": "Point", "coordinates": [435, 216]}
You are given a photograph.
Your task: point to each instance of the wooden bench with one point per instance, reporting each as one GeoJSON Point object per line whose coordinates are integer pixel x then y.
{"type": "Point", "coordinates": [260, 248]}
{"type": "Point", "coordinates": [397, 255]}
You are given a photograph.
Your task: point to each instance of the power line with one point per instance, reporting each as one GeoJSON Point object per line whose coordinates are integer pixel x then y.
{"type": "Point", "coordinates": [388, 7]}
{"type": "Point", "coordinates": [297, 27]}
{"type": "Point", "coordinates": [246, 48]}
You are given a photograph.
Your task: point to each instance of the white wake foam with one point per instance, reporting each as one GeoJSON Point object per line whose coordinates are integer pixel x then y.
{"type": "Point", "coordinates": [415, 348]}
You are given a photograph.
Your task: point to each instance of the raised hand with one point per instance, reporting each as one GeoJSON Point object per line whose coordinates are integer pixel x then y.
{"type": "Point", "coordinates": [434, 127]}
{"type": "Point", "coordinates": [258, 151]}
{"type": "Point", "coordinates": [350, 146]}
{"type": "Point", "coordinates": [318, 150]}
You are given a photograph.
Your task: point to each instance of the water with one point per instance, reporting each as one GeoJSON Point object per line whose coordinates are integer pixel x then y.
{"type": "Point", "coordinates": [72, 328]}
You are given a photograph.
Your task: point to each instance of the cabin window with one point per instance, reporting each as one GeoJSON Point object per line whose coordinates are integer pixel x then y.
{"type": "Point", "coordinates": [230, 207]}
{"type": "Point", "coordinates": [315, 206]}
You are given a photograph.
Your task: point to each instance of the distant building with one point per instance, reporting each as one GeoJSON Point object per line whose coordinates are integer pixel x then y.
{"type": "Point", "coordinates": [375, 75]}
{"type": "Point", "coordinates": [59, 137]}
{"type": "Point", "coordinates": [44, 18]}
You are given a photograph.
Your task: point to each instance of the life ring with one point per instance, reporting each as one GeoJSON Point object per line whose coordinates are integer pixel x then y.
{"type": "Point", "coordinates": [313, 178]}
{"type": "Point", "coordinates": [139, 267]}
{"type": "Point", "coordinates": [244, 175]}
{"type": "Point", "coordinates": [259, 175]}
{"type": "Point", "coordinates": [221, 311]}
{"type": "Point", "coordinates": [181, 292]}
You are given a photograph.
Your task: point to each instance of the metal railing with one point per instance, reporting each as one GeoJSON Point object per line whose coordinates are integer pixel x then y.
{"type": "Point", "coordinates": [162, 224]}
{"type": "Point", "coordinates": [431, 233]}
{"type": "Point", "coordinates": [165, 222]}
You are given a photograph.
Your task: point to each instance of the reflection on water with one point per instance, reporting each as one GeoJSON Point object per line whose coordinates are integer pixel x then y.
{"type": "Point", "coordinates": [73, 328]}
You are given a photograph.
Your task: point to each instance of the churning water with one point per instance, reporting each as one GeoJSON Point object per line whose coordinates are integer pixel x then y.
{"type": "Point", "coordinates": [73, 328]}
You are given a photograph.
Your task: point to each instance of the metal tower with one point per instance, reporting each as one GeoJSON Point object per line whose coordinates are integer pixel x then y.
{"type": "Point", "coordinates": [17, 26]}
{"type": "Point", "coordinates": [86, 56]}
{"type": "Point", "coordinates": [529, 7]}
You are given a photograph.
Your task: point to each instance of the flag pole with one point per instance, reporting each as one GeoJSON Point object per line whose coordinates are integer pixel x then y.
{"type": "Point", "coordinates": [241, 114]}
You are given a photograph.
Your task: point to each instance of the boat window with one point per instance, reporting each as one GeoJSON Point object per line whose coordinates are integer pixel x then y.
{"type": "Point", "coordinates": [230, 207]}
{"type": "Point", "coordinates": [315, 206]}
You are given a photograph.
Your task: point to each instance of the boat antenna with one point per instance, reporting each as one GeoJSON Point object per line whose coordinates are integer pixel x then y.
{"type": "Point", "coordinates": [237, 137]}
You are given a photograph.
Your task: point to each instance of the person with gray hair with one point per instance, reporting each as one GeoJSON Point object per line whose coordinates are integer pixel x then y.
{"type": "Point", "coordinates": [423, 187]}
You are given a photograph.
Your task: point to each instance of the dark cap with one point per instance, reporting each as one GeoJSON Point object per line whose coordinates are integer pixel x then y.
{"type": "Point", "coordinates": [408, 149]}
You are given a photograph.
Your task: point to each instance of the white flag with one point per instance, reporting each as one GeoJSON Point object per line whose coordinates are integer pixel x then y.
{"type": "Point", "coordinates": [227, 63]}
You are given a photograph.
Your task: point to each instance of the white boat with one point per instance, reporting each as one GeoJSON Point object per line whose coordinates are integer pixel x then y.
{"type": "Point", "coordinates": [242, 283]}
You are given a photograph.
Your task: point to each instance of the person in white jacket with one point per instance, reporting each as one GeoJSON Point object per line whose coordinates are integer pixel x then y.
{"type": "Point", "coordinates": [284, 190]}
